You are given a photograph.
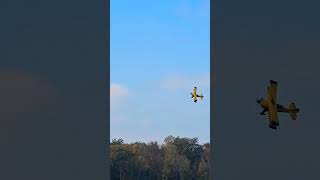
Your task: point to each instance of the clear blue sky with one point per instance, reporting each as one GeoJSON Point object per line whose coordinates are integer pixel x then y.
{"type": "Point", "coordinates": [160, 50]}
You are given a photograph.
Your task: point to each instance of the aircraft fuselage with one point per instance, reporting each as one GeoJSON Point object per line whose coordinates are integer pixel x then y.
{"type": "Point", "coordinates": [280, 108]}
{"type": "Point", "coordinates": [194, 95]}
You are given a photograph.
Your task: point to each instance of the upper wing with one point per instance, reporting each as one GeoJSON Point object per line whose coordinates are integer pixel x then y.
{"type": "Point", "coordinates": [272, 99]}
{"type": "Point", "coordinates": [273, 91]}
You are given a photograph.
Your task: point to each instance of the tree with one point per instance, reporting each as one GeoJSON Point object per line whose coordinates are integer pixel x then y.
{"type": "Point", "coordinates": [176, 159]}
{"type": "Point", "coordinates": [116, 141]}
{"type": "Point", "coordinates": [203, 170]}
{"type": "Point", "coordinates": [190, 149]}
{"type": "Point", "coordinates": [176, 164]}
{"type": "Point", "coordinates": [155, 160]}
{"type": "Point", "coordinates": [121, 162]}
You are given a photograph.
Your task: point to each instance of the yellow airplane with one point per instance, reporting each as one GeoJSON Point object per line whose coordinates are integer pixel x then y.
{"type": "Point", "coordinates": [270, 105]}
{"type": "Point", "coordinates": [195, 96]}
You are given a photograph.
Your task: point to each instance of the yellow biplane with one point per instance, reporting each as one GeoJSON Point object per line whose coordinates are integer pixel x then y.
{"type": "Point", "coordinates": [270, 105]}
{"type": "Point", "coordinates": [195, 96]}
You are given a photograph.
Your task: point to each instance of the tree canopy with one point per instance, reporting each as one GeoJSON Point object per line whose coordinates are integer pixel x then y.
{"type": "Point", "coordinates": [176, 159]}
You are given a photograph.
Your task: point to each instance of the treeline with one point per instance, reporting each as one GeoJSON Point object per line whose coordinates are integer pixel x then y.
{"type": "Point", "coordinates": [176, 159]}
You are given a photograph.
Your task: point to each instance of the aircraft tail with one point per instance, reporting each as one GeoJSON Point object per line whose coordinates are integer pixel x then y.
{"type": "Point", "coordinates": [293, 111]}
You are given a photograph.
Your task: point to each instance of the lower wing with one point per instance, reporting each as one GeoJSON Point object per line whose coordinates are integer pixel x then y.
{"type": "Point", "coordinates": [273, 114]}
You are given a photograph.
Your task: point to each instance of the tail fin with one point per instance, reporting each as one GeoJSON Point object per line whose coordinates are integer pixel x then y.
{"type": "Point", "coordinates": [201, 97]}
{"type": "Point", "coordinates": [293, 110]}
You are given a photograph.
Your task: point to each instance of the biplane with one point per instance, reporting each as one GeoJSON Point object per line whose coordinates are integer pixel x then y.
{"type": "Point", "coordinates": [195, 96]}
{"type": "Point", "coordinates": [270, 105]}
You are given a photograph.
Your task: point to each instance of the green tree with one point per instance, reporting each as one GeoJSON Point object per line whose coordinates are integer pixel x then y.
{"type": "Point", "coordinates": [176, 165]}
{"type": "Point", "coordinates": [190, 149]}
{"type": "Point", "coordinates": [121, 162]}
{"type": "Point", "coordinates": [116, 141]}
{"type": "Point", "coordinates": [176, 159]}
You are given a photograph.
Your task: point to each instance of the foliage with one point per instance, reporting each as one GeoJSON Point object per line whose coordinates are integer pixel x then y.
{"type": "Point", "coordinates": [176, 159]}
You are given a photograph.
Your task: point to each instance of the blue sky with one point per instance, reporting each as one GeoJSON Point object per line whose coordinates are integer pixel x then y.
{"type": "Point", "coordinates": [160, 50]}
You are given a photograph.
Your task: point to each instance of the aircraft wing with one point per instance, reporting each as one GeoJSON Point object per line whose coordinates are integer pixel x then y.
{"type": "Point", "coordinates": [272, 99]}
{"type": "Point", "coordinates": [195, 98]}
{"type": "Point", "coordinates": [273, 91]}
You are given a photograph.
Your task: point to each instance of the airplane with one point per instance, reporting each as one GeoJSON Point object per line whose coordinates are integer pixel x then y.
{"type": "Point", "coordinates": [195, 96]}
{"type": "Point", "coordinates": [270, 105]}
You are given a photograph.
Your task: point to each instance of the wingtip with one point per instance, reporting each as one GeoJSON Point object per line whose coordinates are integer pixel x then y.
{"type": "Point", "coordinates": [273, 127]}
{"type": "Point", "coordinates": [273, 82]}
